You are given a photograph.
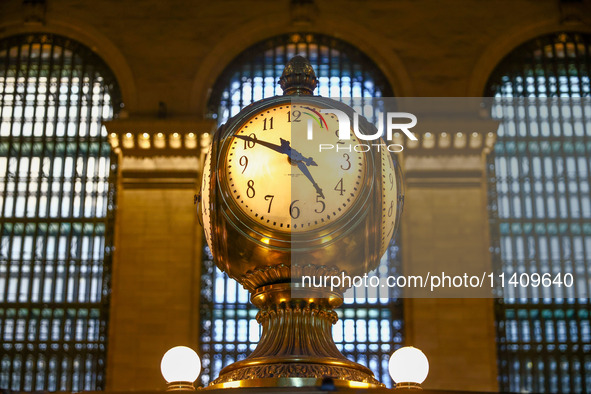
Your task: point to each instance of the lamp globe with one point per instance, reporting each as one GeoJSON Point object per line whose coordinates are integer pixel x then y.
{"type": "Point", "coordinates": [180, 367]}
{"type": "Point", "coordinates": [408, 367]}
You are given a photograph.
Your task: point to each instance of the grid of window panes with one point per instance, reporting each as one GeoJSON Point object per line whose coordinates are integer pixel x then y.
{"type": "Point", "coordinates": [370, 328]}
{"type": "Point", "coordinates": [342, 71]}
{"type": "Point", "coordinates": [370, 325]}
{"type": "Point", "coordinates": [56, 203]}
{"type": "Point", "coordinates": [229, 330]}
{"type": "Point", "coordinates": [539, 178]}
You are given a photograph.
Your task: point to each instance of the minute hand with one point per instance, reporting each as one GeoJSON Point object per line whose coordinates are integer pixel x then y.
{"type": "Point", "coordinates": [302, 163]}
{"type": "Point", "coordinates": [296, 157]}
{"type": "Point", "coordinates": [306, 172]}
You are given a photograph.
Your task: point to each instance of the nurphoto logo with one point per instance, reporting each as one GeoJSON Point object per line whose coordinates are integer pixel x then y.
{"type": "Point", "coordinates": [390, 127]}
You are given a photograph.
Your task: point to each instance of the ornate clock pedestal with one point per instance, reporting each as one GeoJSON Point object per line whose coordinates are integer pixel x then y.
{"type": "Point", "coordinates": [296, 348]}
{"type": "Point", "coordinates": [276, 209]}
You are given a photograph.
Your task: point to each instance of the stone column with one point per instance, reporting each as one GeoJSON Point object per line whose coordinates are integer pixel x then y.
{"type": "Point", "coordinates": [445, 228]}
{"type": "Point", "coordinates": [156, 267]}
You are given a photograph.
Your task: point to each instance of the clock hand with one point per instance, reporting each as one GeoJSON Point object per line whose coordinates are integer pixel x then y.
{"type": "Point", "coordinates": [303, 163]}
{"type": "Point", "coordinates": [284, 148]}
{"type": "Point", "coordinates": [296, 157]}
{"type": "Point", "coordinates": [306, 172]}
{"type": "Point", "coordinates": [275, 147]}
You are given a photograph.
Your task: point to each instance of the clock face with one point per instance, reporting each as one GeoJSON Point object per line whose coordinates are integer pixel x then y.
{"type": "Point", "coordinates": [205, 203]}
{"type": "Point", "coordinates": [282, 180]}
{"type": "Point", "coordinates": [389, 199]}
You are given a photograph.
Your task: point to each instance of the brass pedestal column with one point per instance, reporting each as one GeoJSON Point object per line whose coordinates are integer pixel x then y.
{"type": "Point", "coordinates": [296, 348]}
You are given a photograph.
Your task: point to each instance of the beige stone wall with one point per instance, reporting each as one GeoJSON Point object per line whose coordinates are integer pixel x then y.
{"type": "Point", "coordinates": [445, 230]}
{"type": "Point", "coordinates": [172, 51]}
{"type": "Point", "coordinates": [156, 268]}
{"type": "Point", "coordinates": [155, 284]}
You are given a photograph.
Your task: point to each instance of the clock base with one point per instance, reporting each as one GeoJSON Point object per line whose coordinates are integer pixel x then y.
{"type": "Point", "coordinates": [296, 348]}
{"type": "Point", "coordinates": [294, 382]}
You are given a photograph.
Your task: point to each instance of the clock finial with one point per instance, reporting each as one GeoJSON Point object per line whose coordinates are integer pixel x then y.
{"type": "Point", "coordinates": [298, 77]}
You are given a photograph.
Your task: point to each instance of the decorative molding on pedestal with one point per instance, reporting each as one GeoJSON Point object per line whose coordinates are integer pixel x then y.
{"type": "Point", "coordinates": [160, 153]}
{"type": "Point", "coordinates": [264, 276]}
{"type": "Point", "coordinates": [296, 346]}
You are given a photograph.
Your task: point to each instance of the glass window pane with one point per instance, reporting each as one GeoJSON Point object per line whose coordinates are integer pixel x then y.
{"type": "Point", "coordinates": [55, 233]}
{"type": "Point", "coordinates": [542, 190]}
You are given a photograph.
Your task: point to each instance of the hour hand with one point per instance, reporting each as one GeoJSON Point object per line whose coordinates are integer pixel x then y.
{"type": "Point", "coordinates": [275, 147]}
{"type": "Point", "coordinates": [285, 148]}
{"type": "Point", "coordinates": [302, 166]}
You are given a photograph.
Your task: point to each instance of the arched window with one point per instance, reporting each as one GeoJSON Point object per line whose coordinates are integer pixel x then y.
{"type": "Point", "coordinates": [368, 330]}
{"type": "Point", "coordinates": [539, 179]}
{"type": "Point", "coordinates": [56, 201]}
{"type": "Point", "coordinates": [342, 71]}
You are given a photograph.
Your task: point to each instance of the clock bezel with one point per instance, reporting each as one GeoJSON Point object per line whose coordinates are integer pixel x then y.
{"type": "Point", "coordinates": [259, 231]}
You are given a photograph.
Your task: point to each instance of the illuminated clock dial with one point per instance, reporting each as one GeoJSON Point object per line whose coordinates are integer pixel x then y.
{"type": "Point", "coordinates": [283, 180]}
{"type": "Point", "coordinates": [205, 203]}
{"type": "Point", "coordinates": [389, 199]}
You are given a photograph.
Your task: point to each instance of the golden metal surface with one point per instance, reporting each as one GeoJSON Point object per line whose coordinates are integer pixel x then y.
{"type": "Point", "coordinates": [298, 77]}
{"type": "Point", "coordinates": [180, 386]}
{"type": "Point", "coordinates": [408, 386]}
{"type": "Point", "coordinates": [296, 348]}
{"type": "Point", "coordinates": [243, 247]}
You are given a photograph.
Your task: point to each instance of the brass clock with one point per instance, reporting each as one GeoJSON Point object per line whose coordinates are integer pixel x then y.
{"type": "Point", "coordinates": [284, 196]}
{"type": "Point", "coordinates": [279, 180]}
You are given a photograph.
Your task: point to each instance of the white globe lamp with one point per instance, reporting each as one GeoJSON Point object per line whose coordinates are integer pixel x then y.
{"type": "Point", "coordinates": [180, 367]}
{"type": "Point", "coordinates": [409, 368]}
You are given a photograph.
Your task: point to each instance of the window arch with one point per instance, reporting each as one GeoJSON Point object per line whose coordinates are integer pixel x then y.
{"type": "Point", "coordinates": [540, 210]}
{"type": "Point", "coordinates": [342, 71]}
{"type": "Point", "coordinates": [368, 331]}
{"type": "Point", "coordinates": [57, 196]}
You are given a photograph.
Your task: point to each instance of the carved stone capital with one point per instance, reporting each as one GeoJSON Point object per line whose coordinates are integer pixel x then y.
{"type": "Point", "coordinates": [451, 136]}
{"type": "Point", "coordinates": [34, 12]}
{"type": "Point", "coordinates": [575, 12]}
{"type": "Point", "coordinates": [147, 137]}
{"type": "Point", "coordinates": [159, 153]}
{"type": "Point", "coordinates": [449, 151]}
